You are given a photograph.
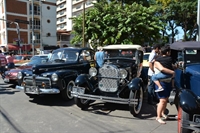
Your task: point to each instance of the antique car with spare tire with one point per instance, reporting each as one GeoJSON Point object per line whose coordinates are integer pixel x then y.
{"type": "Point", "coordinates": [57, 76]}
{"type": "Point", "coordinates": [117, 81]}
{"type": "Point", "coordinates": [187, 82]}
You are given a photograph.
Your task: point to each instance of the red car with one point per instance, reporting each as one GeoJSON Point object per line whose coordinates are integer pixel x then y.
{"type": "Point", "coordinates": [11, 75]}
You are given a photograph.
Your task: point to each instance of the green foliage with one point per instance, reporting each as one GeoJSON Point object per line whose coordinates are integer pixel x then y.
{"type": "Point", "coordinates": [109, 23]}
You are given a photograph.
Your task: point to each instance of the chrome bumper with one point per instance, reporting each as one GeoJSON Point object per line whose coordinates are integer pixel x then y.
{"type": "Point", "coordinates": [36, 90]}
{"type": "Point", "coordinates": [77, 92]}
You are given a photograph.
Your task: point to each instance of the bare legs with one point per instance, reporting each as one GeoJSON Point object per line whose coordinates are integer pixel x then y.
{"type": "Point", "coordinates": [161, 109]}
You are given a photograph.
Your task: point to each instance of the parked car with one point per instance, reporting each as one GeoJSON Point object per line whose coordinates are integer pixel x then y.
{"type": "Point", "coordinates": [118, 81]}
{"type": "Point", "coordinates": [21, 59]}
{"type": "Point", "coordinates": [58, 75]}
{"type": "Point", "coordinates": [187, 82]}
{"type": "Point", "coordinates": [11, 75]}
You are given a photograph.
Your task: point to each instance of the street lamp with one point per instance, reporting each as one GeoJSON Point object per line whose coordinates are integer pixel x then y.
{"type": "Point", "coordinates": [83, 24]}
{"type": "Point", "coordinates": [18, 32]}
{"type": "Point", "coordinates": [33, 37]}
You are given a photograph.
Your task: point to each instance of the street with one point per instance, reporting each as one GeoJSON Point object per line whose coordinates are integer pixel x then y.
{"type": "Point", "coordinates": [49, 114]}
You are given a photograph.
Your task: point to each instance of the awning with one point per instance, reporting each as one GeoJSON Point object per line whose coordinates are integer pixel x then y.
{"type": "Point", "coordinates": [26, 47]}
{"type": "Point", "coordinates": [12, 47]}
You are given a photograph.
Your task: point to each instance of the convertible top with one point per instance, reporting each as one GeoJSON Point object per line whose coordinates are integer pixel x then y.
{"type": "Point", "coordinates": [185, 45]}
{"type": "Point", "coordinates": [125, 46]}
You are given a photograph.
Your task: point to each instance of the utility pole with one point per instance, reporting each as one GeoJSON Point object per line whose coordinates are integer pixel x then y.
{"type": "Point", "coordinates": [198, 21]}
{"type": "Point", "coordinates": [33, 37]}
{"type": "Point", "coordinates": [83, 24]}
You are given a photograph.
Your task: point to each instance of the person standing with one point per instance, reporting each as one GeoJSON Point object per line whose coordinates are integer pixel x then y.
{"type": "Point", "coordinates": [10, 60]}
{"type": "Point", "coordinates": [99, 57]}
{"type": "Point", "coordinates": [163, 96]}
{"type": "Point", "coordinates": [151, 86]}
{"type": "Point", "coordinates": [3, 63]}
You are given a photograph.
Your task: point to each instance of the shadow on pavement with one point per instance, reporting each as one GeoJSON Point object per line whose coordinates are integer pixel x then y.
{"type": "Point", "coordinates": [6, 89]}
{"type": "Point", "coordinates": [51, 100]}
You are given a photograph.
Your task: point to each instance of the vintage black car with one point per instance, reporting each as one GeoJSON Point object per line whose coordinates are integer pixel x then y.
{"type": "Point", "coordinates": [187, 81]}
{"type": "Point", "coordinates": [58, 74]}
{"type": "Point", "coordinates": [118, 81]}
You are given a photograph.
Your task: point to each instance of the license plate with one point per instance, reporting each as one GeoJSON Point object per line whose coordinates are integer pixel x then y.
{"type": "Point", "coordinates": [79, 90]}
{"type": "Point", "coordinates": [31, 89]}
{"type": "Point", "coordinates": [6, 80]}
{"type": "Point", "coordinates": [196, 118]}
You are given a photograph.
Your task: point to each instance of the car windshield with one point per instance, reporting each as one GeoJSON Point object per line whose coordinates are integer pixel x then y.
{"type": "Point", "coordinates": [66, 55]}
{"type": "Point", "coordinates": [124, 53]}
{"type": "Point", "coordinates": [192, 56]}
{"type": "Point", "coordinates": [37, 60]}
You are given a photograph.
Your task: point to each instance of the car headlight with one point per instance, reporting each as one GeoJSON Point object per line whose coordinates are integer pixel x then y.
{"type": "Point", "coordinates": [93, 71]}
{"type": "Point", "coordinates": [19, 75]}
{"type": "Point", "coordinates": [123, 73]}
{"type": "Point", "coordinates": [54, 77]}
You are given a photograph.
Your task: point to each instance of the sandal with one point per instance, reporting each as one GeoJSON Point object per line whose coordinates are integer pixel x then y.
{"type": "Point", "coordinates": [160, 121]}
{"type": "Point", "coordinates": [165, 116]}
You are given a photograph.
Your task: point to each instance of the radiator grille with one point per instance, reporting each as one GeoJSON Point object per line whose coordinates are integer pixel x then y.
{"type": "Point", "coordinates": [38, 82]}
{"type": "Point", "coordinates": [108, 78]}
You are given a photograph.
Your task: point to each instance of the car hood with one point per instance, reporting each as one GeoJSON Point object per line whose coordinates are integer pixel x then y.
{"type": "Point", "coordinates": [193, 69]}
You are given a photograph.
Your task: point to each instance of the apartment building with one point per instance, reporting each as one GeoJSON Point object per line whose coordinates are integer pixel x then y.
{"type": "Point", "coordinates": [37, 33]}
{"type": "Point", "coordinates": [66, 9]}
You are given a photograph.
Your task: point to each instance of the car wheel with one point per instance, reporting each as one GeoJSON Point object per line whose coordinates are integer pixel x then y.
{"type": "Point", "coordinates": [182, 115]}
{"type": "Point", "coordinates": [82, 103]}
{"type": "Point", "coordinates": [136, 108]}
{"type": "Point", "coordinates": [66, 92]}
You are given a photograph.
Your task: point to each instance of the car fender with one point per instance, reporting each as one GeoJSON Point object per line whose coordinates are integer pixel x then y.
{"type": "Point", "coordinates": [188, 101]}
{"type": "Point", "coordinates": [82, 80]}
{"type": "Point", "coordinates": [135, 84]}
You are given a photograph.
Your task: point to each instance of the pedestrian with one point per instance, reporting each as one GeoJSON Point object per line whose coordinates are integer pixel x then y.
{"type": "Point", "coordinates": [151, 86]}
{"type": "Point", "coordinates": [50, 54]}
{"type": "Point", "coordinates": [99, 57]}
{"type": "Point", "coordinates": [163, 96]}
{"type": "Point", "coordinates": [3, 63]}
{"type": "Point", "coordinates": [166, 61]}
{"type": "Point", "coordinates": [10, 60]}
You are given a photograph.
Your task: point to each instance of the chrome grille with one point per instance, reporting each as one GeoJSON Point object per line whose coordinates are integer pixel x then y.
{"type": "Point", "coordinates": [38, 82]}
{"type": "Point", "coordinates": [108, 78]}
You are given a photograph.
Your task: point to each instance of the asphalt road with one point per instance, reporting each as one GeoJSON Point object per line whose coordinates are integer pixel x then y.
{"type": "Point", "coordinates": [49, 114]}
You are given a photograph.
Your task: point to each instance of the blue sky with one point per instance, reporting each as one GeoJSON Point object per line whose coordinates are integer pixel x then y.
{"type": "Point", "coordinates": [180, 35]}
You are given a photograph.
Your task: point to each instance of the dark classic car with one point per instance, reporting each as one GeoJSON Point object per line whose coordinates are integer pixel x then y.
{"type": "Point", "coordinates": [57, 76]}
{"type": "Point", "coordinates": [11, 75]}
{"type": "Point", "coordinates": [118, 81]}
{"type": "Point", "coordinates": [187, 81]}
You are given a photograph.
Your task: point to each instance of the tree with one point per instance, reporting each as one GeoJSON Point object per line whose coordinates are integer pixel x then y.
{"type": "Point", "coordinates": [112, 24]}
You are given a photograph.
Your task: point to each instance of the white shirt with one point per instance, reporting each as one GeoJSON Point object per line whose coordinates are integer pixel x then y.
{"type": "Point", "coordinates": [151, 58]}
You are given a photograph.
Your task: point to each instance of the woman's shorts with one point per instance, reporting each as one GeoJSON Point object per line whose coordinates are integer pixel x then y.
{"type": "Point", "coordinates": [167, 86]}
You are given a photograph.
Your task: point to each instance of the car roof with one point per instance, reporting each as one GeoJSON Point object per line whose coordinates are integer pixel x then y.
{"type": "Point", "coordinates": [125, 46]}
{"type": "Point", "coordinates": [185, 45]}
{"type": "Point", "coordinates": [73, 48]}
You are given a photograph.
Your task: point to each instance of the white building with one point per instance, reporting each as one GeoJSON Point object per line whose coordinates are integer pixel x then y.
{"type": "Point", "coordinates": [66, 9]}
{"type": "Point", "coordinates": [44, 24]}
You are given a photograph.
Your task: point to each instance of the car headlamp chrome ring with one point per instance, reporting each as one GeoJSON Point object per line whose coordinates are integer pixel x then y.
{"type": "Point", "coordinates": [19, 75]}
{"type": "Point", "coordinates": [123, 73]}
{"type": "Point", "coordinates": [54, 77]}
{"type": "Point", "coordinates": [92, 71]}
